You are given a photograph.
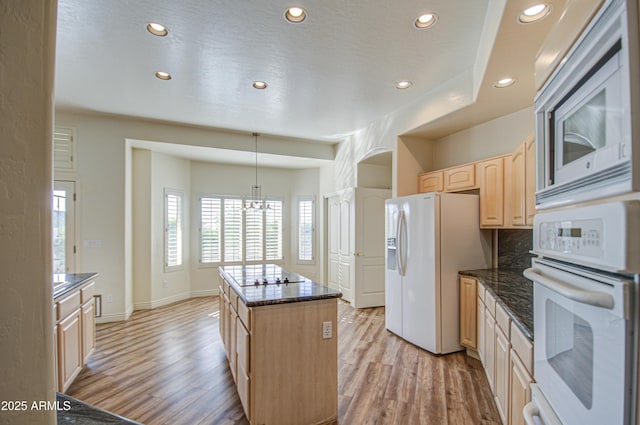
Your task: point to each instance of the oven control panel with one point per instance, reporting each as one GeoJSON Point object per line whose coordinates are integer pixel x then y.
{"type": "Point", "coordinates": [598, 235]}
{"type": "Point", "coordinates": [583, 237]}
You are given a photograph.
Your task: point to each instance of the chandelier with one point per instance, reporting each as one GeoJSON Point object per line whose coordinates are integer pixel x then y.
{"type": "Point", "coordinates": [256, 202]}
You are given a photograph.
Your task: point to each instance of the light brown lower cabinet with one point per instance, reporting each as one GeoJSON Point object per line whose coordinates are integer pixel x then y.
{"type": "Point", "coordinates": [468, 321]}
{"type": "Point", "coordinates": [519, 389]}
{"type": "Point", "coordinates": [505, 352]}
{"type": "Point", "coordinates": [286, 373]}
{"type": "Point", "coordinates": [69, 349]}
{"type": "Point", "coordinates": [74, 333]}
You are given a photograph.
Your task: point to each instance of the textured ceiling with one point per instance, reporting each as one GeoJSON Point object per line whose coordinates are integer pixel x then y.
{"type": "Point", "coordinates": [328, 76]}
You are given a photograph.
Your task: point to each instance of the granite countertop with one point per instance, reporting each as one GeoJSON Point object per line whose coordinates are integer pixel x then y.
{"type": "Point", "coordinates": [513, 291]}
{"type": "Point", "coordinates": [64, 283]}
{"type": "Point", "coordinates": [73, 411]}
{"type": "Point", "coordinates": [241, 278]}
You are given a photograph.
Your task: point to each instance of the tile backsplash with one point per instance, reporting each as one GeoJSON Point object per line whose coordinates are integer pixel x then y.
{"type": "Point", "coordinates": [513, 248]}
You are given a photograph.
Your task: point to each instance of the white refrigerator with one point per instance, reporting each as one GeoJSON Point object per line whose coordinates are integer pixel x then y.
{"type": "Point", "coordinates": [430, 238]}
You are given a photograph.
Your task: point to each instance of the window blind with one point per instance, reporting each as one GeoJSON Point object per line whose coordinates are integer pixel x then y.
{"type": "Point", "coordinates": [305, 230]}
{"type": "Point", "coordinates": [173, 239]}
{"type": "Point", "coordinates": [210, 230]}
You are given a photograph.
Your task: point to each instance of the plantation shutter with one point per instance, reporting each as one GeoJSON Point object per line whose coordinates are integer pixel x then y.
{"type": "Point", "coordinates": [274, 236]}
{"type": "Point", "coordinates": [254, 231]}
{"type": "Point", "coordinates": [210, 230]}
{"type": "Point", "coordinates": [232, 230]}
{"type": "Point", "coordinates": [173, 244]}
{"type": "Point", "coordinates": [305, 230]}
{"type": "Point", "coordinates": [64, 148]}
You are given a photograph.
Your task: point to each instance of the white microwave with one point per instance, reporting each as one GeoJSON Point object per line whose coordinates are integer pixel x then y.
{"type": "Point", "coordinates": [585, 125]}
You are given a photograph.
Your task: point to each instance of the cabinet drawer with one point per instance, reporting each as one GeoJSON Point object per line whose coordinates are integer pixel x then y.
{"type": "Point", "coordinates": [86, 293]}
{"type": "Point", "coordinates": [503, 320]}
{"type": "Point", "coordinates": [68, 305]}
{"type": "Point", "coordinates": [233, 299]}
{"type": "Point", "coordinates": [243, 347]}
{"type": "Point", "coordinates": [244, 390]}
{"type": "Point", "coordinates": [523, 347]}
{"type": "Point", "coordinates": [490, 302]}
{"type": "Point", "coordinates": [459, 178]}
{"type": "Point", "coordinates": [244, 313]}
{"type": "Point", "coordinates": [430, 182]}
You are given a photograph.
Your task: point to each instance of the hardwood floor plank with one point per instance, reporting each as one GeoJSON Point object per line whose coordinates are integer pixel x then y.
{"type": "Point", "coordinates": [168, 366]}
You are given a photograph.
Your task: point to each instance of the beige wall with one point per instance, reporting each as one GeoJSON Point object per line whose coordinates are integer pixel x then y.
{"type": "Point", "coordinates": [495, 137]}
{"type": "Point", "coordinates": [105, 174]}
{"type": "Point", "coordinates": [27, 43]}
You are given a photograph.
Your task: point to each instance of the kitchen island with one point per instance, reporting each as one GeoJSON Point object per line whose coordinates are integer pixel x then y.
{"type": "Point", "coordinates": [279, 331]}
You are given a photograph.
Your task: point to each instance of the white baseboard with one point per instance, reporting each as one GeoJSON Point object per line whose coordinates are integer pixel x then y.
{"type": "Point", "coordinates": [204, 293]}
{"type": "Point", "coordinates": [147, 305]}
{"type": "Point", "coordinates": [113, 317]}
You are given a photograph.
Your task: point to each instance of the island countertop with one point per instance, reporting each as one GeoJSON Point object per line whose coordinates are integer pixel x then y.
{"type": "Point", "coordinates": [64, 283]}
{"type": "Point", "coordinates": [299, 288]}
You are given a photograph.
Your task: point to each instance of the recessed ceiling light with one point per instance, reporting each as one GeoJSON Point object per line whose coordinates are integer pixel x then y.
{"type": "Point", "coordinates": [157, 29]}
{"type": "Point", "coordinates": [401, 85]}
{"type": "Point", "coordinates": [425, 21]}
{"type": "Point", "coordinates": [534, 13]}
{"type": "Point", "coordinates": [504, 82]}
{"type": "Point", "coordinates": [163, 75]}
{"type": "Point", "coordinates": [295, 15]}
{"type": "Point", "coordinates": [260, 85]}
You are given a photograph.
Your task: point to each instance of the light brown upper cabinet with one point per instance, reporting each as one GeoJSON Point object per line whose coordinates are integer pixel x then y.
{"type": "Point", "coordinates": [530, 178]}
{"type": "Point", "coordinates": [518, 189]}
{"type": "Point", "coordinates": [460, 178]}
{"type": "Point", "coordinates": [491, 181]}
{"type": "Point", "coordinates": [523, 185]}
{"type": "Point", "coordinates": [431, 182]}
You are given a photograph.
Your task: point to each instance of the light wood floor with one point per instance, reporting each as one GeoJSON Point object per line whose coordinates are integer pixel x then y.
{"type": "Point", "coordinates": [167, 366]}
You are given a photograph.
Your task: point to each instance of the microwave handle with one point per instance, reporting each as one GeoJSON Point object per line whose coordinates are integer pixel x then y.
{"type": "Point", "coordinates": [594, 298]}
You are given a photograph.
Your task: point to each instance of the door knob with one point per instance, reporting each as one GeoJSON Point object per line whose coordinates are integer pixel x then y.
{"type": "Point", "coordinates": [358, 254]}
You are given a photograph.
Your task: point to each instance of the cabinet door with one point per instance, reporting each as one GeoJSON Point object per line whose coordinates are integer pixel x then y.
{"type": "Point", "coordinates": [530, 178]}
{"type": "Point", "coordinates": [430, 182]}
{"type": "Point", "coordinates": [480, 327]}
{"type": "Point", "coordinates": [489, 347]}
{"type": "Point", "coordinates": [503, 367]}
{"type": "Point", "coordinates": [468, 314]}
{"type": "Point", "coordinates": [491, 174]}
{"type": "Point", "coordinates": [460, 178]}
{"type": "Point", "coordinates": [88, 330]}
{"type": "Point", "coordinates": [224, 315]}
{"type": "Point", "coordinates": [69, 349]}
{"type": "Point", "coordinates": [233, 323]}
{"type": "Point", "coordinates": [520, 393]}
{"type": "Point", "coordinates": [518, 187]}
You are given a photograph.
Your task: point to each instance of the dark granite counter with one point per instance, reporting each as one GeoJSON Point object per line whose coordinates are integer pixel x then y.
{"type": "Point", "coordinates": [73, 411]}
{"type": "Point", "coordinates": [64, 283]}
{"type": "Point", "coordinates": [241, 278]}
{"type": "Point", "coordinates": [513, 291]}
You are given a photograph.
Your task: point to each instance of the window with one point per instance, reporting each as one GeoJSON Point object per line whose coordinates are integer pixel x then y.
{"type": "Point", "coordinates": [305, 230]}
{"type": "Point", "coordinates": [173, 230]}
{"type": "Point", "coordinates": [231, 234]}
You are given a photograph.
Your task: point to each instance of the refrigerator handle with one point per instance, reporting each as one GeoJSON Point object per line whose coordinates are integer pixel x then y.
{"type": "Point", "coordinates": [397, 257]}
{"type": "Point", "coordinates": [401, 243]}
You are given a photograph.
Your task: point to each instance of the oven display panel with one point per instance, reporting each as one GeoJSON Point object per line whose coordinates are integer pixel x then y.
{"type": "Point", "coordinates": [581, 237]}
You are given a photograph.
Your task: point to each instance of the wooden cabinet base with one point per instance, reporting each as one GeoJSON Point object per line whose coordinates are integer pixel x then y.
{"type": "Point", "coordinates": [294, 371]}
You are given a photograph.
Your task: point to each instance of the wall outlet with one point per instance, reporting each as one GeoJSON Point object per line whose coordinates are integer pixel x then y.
{"type": "Point", "coordinates": [327, 330]}
{"type": "Point", "coordinates": [165, 284]}
{"type": "Point", "coordinates": [109, 298]}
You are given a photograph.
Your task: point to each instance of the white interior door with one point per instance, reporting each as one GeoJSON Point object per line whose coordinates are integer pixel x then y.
{"type": "Point", "coordinates": [345, 265]}
{"type": "Point", "coordinates": [63, 224]}
{"type": "Point", "coordinates": [369, 247]}
{"type": "Point", "coordinates": [333, 241]}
